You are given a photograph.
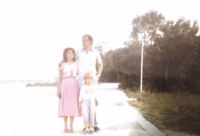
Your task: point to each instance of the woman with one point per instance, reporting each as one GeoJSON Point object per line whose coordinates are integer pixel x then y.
{"type": "Point", "coordinates": [68, 90]}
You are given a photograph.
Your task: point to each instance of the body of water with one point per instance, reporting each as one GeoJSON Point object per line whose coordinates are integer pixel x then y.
{"type": "Point", "coordinates": [22, 83]}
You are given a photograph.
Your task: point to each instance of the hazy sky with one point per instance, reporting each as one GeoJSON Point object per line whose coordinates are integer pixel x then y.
{"type": "Point", "coordinates": [33, 33]}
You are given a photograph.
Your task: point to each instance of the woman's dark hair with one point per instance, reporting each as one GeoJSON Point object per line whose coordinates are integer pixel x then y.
{"type": "Point", "coordinates": [65, 52]}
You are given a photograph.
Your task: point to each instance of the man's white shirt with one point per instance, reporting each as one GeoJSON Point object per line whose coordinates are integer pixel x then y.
{"type": "Point", "coordinates": [87, 61]}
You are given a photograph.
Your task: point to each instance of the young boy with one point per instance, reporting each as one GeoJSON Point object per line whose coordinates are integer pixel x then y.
{"type": "Point", "coordinates": [87, 101]}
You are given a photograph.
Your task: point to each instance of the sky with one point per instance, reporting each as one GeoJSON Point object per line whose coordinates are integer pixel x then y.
{"type": "Point", "coordinates": [34, 33]}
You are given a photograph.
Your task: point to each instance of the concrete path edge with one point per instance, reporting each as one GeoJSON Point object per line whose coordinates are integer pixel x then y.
{"type": "Point", "coordinates": [150, 128]}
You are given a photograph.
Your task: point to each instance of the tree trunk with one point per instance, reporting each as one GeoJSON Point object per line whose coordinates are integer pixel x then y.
{"type": "Point", "coordinates": [159, 84]}
{"type": "Point", "coordinates": [166, 74]}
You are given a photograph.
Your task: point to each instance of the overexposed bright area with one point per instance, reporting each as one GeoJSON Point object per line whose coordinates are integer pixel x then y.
{"type": "Point", "coordinates": [34, 33]}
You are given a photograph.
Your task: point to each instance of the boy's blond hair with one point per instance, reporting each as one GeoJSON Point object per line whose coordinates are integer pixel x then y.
{"type": "Point", "coordinates": [88, 76]}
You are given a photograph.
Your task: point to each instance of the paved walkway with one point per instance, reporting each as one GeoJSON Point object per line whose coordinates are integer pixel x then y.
{"type": "Point", "coordinates": [33, 112]}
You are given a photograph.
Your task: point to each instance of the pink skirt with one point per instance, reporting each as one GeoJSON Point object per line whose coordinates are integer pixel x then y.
{"type": "Point", "coordinates": [68, 104]}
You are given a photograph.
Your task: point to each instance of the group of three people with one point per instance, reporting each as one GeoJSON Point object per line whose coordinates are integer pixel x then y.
{"type": "Point", "coordinates": [78, 97]}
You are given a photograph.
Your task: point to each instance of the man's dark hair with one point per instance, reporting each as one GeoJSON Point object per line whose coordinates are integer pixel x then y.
{"type": "Point", "coordinates": [90, 38]}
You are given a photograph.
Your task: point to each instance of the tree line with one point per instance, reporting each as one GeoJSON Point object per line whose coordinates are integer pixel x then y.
{"type": "Point", "coordinates": [171, 61]}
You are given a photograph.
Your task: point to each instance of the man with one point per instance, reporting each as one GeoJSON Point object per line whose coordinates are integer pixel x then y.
{"type": "Point", "coordinates": [87, 59]}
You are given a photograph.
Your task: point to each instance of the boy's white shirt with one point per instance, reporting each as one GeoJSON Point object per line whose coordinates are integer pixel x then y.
{"type": "Point", "coordinates": [88, 92]}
